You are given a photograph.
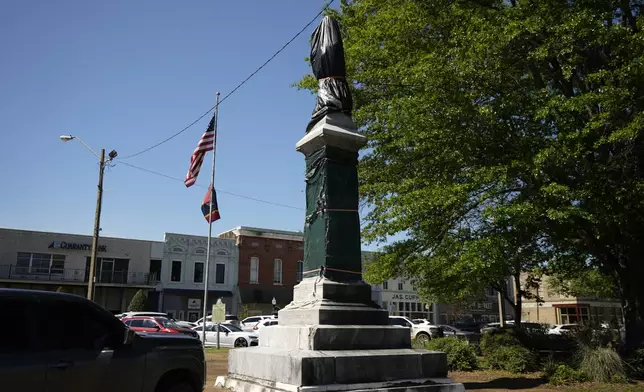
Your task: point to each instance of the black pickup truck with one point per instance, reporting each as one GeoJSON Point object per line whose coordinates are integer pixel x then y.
{"type": "Point", "coordinates": [54, 342]}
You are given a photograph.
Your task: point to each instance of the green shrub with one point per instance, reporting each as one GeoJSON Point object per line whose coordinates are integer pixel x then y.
{"type": "Point", "coordinates": [460, 354]}
{"type": "Point", "coordinates": [493, 340]}
{"type": "Point", "coordinates": [601, 364]}
{"type": "Point", "coordinates": [635, 363]}
{"type": "Point", "coordinates": [514, 359]}
{"type": "Point", "coordinates": [565, 375]}
{"type": "Point", "coordinates": [138, 301]}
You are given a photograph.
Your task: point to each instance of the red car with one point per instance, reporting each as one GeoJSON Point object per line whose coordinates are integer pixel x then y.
{"type": "Point", "coordinates": [157, 325]}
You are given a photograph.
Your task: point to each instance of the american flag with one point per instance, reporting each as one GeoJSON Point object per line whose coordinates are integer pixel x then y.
{"type": "Point", "coordinates": [196, 160]}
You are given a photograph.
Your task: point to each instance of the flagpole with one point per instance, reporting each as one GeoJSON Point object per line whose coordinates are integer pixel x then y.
{"type": "Point", "coordinates": [212, 185]}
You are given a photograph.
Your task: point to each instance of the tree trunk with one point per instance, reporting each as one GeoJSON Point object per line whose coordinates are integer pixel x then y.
{"type": "Point", "coordinates": [518, 303]}
{"type": "Point", "coordinates": [632, 317]}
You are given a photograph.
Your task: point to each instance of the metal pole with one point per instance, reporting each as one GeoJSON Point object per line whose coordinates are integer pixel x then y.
{"type": "Point", "coordinates": [207, 266]}
{"type": "Point", "coordinates": [97, 224]}
{"type": "Point", "coordinates": [501, 311]}
{"type": "Point", "coordinates": [218, 331]}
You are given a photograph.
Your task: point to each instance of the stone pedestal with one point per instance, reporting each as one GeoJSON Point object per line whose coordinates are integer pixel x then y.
{"type": "Point", "coordinates": [332, 337]}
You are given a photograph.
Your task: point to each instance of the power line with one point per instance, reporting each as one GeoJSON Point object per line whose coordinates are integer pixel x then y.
{"type": "Point", "coordinates": [217, 189]}
{"type": "Point", "coordinates": [236, 88]}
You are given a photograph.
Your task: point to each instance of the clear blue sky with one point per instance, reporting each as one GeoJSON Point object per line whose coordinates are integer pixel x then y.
{"type": "Point", "coordinates": [125, 74]}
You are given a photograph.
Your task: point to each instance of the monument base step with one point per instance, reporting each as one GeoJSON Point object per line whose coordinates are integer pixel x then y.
{"type": "Point", "coordinates": [312, 368]}
{"type": "Point", "coordinates": [249, 384]}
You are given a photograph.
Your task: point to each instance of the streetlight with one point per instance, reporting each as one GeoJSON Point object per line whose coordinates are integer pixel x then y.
{"type": "Point", "coordinates": [97, 216]}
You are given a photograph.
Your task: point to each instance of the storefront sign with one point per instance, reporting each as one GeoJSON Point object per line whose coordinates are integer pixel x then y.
{"type": "Point", "coordinates": [194, 303]}
{"type": "Point", "coordinates": [75, 246]}
{"type": "Point", "coordinates": [405, 297]}
{"type": "Point", "coordinates": [481, 306]}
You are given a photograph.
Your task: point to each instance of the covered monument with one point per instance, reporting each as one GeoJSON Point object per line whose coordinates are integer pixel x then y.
{"type": "Point", "coordinates": [332, 337]}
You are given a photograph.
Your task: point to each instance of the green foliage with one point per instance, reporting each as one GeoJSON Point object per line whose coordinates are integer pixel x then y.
{"type": "Point", "coordinates": [601, 364]}
{"type": "Point", "coordinates": [583, 283]}
{"type": "Point", "coordinates": [494, 340]}
{"type": "Point", "coordinates": [504, 137]}
{"type": "Point", "coordinates": [565, 375]}
{"type": "Point", "coordinates": [461, 356]}
{"type": "Point", "coordinates": [635, 364]}
{"type": "Point", "coordinates": [64, 289]}
{"type": "Point", "coordinates": [138, 301]}
{"type": "Point", "coordinates": [514, 359]}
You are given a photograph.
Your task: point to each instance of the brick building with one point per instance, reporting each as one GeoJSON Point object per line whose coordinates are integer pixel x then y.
{"type": "Point", "coordinates": [270, 264]}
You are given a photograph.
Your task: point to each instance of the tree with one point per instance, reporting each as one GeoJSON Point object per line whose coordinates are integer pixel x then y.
{"type": "Point", "coordinates": [504, 137]}
{"type": "Point", "coordinates": [138, 302]}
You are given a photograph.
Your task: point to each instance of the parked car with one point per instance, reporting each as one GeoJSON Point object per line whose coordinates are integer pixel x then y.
{"type": "Point", "coordinates": [264, 323]}
{"type": "Point", "coordinates": [156, 325]}
{"type": "Point", "coordinates": [229, 336]}
{"type": "Point", "coordinates": [451, 331]}
{"type": "Point", "coordinates": [63, 342]}
{"type": "Point", "coordinates": [230, 319]}
{"type": "Point", "coordinates": [434, 330]}
{"type": "Point", "coordinates": [418, 331]}
{"type": "Point", "coordinates": [563, 329]}
{"type": "Point", "coordinates": [185, 324]}
{"type": "Point", "coordinates": [249, 323]}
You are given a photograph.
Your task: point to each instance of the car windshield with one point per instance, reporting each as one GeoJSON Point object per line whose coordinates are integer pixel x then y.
{"type": "Point", "coordinates": [167, 323]}
{"type": "Point", "coordinates": [233, 328]}
{"type": "Point", "coordinates": [418, 321]}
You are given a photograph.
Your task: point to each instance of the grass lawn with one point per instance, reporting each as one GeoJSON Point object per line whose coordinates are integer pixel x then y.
{"type": "Point", "coordinates": [482, 380]}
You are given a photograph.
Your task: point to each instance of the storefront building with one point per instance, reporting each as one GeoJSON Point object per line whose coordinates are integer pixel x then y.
{"type": "Point", "coordinates": [270, 265]}
{"type": "Point", "coordinates": [59, 261]}
{"type": "Point", "coordinates": [181, 288]}
{"type": "Point", "coordinates": [561, 309]}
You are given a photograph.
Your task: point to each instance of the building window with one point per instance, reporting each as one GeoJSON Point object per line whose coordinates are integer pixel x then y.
{"type": "Point", "coordinates": [177, 249]}
{"type": "Point", "coordinates": [385, 285]}
{"type": "Point", "coordinates": [175, 273]}
{"type": "Point", "coordinates": [198, 274]}
{"type": "Point", "coordinates": [277, 271]}
{"type": "Point", "coordinates": [254, 270]}
{"type": "Point", "coordinates": [155, 270]}
{"type": "Point", "coordinates": [490, 292]}
{"type": "Point", "coordinates": [573, 315]}
{"type": "Point", "coordinates": [220, 273]}
{"type": "Point", "coordinates": [40, 263]}
{"type": "Point", "coordinates": [222, 253]}
{"type": "Point", "coordinates": [200, 251]}
{"type": "Point", "coordinates": [300, 271]}
{"type": "Point", "coordinates": [400, 286]}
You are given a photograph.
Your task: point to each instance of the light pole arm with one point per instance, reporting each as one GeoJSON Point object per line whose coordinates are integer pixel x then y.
{"type": "Point", "coordinates": [87, 147]}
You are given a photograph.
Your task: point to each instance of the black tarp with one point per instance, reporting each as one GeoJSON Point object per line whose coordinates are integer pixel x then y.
{"type": "Point", "coordinates": [327, 61]}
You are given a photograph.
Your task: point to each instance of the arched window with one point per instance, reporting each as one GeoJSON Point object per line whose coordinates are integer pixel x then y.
{"type": "Point", "coordinates": [254, 270]}
{"type": "Point", "coordinates": [177, 249]}
{"type": "Point", "coordinates": [277, 271]}
{"type": "Point", "coordinates": [222, 253]}
{"type": "Point", "coordinates": [200, 251]}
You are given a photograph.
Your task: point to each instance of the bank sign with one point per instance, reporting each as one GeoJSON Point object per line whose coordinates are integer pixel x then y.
{"type": "Point", "coordinates": [75, 246]}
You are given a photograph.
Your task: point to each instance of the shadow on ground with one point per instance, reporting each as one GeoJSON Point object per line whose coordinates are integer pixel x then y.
{"type": "Point", "coordinates": [515, 383]}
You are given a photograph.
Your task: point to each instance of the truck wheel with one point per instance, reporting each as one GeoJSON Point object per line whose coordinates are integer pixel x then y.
{"type": "Point", "coordinates": [423, 337]}
{"type": "Point", "coordinates": [179, 387]}
{"type": "Point", "coordinates": [241, 342]}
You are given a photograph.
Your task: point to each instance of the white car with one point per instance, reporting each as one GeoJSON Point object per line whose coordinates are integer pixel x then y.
{"type": "Point", "coordinates": [229, 336]}
{"type": "Point", "coordinates": [418, 331]}
{"type": "Point", "coordinates": [264, 323]}
{"type": "Point", "coordinates": [230, 319]}
{"type": "Point", "coordinates": [562, 329]}
{"type": "Point", "coordinates": [249, 323]}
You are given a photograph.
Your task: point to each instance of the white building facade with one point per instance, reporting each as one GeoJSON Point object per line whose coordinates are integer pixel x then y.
{"type": "Point", "coordinates": [51, 261]}
{"type": "Point", "coordinates": [181, 287]}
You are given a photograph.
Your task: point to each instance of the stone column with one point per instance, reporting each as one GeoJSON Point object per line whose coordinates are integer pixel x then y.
{"type": "Point", "coordinates": [333, 337]}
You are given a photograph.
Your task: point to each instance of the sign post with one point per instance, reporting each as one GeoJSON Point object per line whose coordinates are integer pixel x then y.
{"type": "Point", "coordinates": [218, 316]}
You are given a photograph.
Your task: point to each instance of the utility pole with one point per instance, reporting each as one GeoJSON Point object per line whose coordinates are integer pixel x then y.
{"type": "Point", "coordinates": [501, 310]}
{"type": "Point", "coordinates": [97, 226]}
